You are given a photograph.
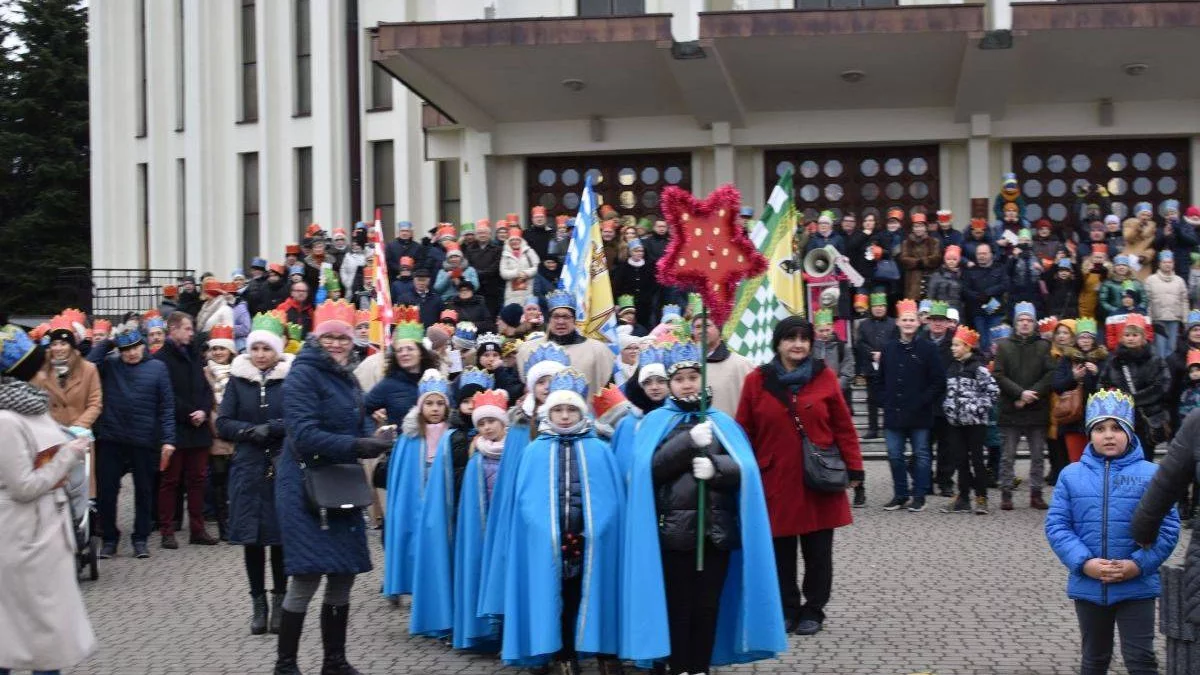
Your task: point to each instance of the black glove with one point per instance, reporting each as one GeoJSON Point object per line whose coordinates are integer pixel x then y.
{"type": "Point", "coordinates": [277, 429]}
{"type": "Point", "coordinates": [258, 434]}
{"type": "Point", "coordinates": [370, 448]}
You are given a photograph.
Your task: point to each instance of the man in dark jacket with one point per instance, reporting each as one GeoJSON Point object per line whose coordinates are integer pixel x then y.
{"type": "Point", "coordinates": [914, 381]}
{"type": "Point", "coordinates": [400, 247]}
{"type": "Point", "coordinates": [471, 307]}
{"type": "Point", "coordinates": [135, 429]}
{"type": "Point", "coordinates": [484, 256]}
{"type": "Point", "coordinates": [540, 232]}
{"type": "Point", "coordinates": [422, 297]}
{"type": "Point", "coordinates": [1136, 370]}
{"type": "Point", "coordinates": [189, 298]}
{"type": "Point", "coordinates": [193, 403]}
{"type": "Point", "coordinates": [984, 288]}
{"type": "Point", "coordinates": [1024, 370]}
{"type": "Point", "coordinates": [939, 331]}
{"type": "Point", "coordinates": [873, 333]}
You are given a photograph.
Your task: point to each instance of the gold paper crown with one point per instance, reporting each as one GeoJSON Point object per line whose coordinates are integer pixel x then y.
{"type": "Point", "coordinates": [606, 399]}
{"type": "Point", "coordinates": [334, 310]}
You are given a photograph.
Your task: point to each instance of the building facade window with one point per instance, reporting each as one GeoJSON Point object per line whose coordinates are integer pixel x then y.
{"type": "Point", "coordinates": [143, 197]}
{"type": "Point", "coordinates": [250, 206]}
{"type": "Point", "coordinates": [181, 209]}
{"type": "Point", "coordinates": [249, 62]}
{"type": "Point", "coordinates": [449, 192]}
{"type": "Point", "coordinates": [304, 188]}
{"type": "Point", "coordinates": [303, 37]}
{"type": "Point", "coordinates": [180, 68]}
{"type": "Point", "coordinates": [381, 89]}
{"type": "Point", "coordinates": [141, 69]}
{"type": "Point", "coordinates": [844, 4]}
{"type": "Point", "coordinates": [630, 183]}
{"type": "Point", "coordinates": [858, 180]}
{"type": "Point", "coordinates": [1051, 175]}
{"type": "Point", "coordinates": [611, 7]}
{"type": "Point", "coordinates": [383, 183]}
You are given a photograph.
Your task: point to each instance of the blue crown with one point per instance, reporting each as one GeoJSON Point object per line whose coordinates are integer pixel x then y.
{"type": "Point", "coordinates": [1193, 318]}
{"type": "Point", "coordinates": [1121, 260]}
{"type": "Point", "coordinates": [635, 243]}
{"type": "Point", "coordinates": [652, 355]}
{"type": "Point", "coordinates": [925, 305]}
{"type": "Point", "coordinates": [260, 263]}
{"type": "Point", "coordinates": [466, 331]}
{"type": "Point", "coordinates": [155, 322]}
{"type": "Point", "coordinates": [1110, 404]}
{"type": "Point", "coordinates": [433, 382]}
{"type": "Point", "coordinates": [547, 352]}
{"type": "Point", "coordinates": [671, 312]}
{"type": "Point", "coordinates": [15, 345]}
{"type": "Point", "coordinates": [560, 298]}
{"type": "Point", "coordinates": [130, 338]}
{"type": "Point", "coordinates": [1025, 308]}
{"type": "Point", "coordinates": [1000, 331]}
{"type": "Point", "coordinates": [480, 378]}
{"type": "Point", "coordinates": [489, 341]}
{"type": "Point", "coordinates": [683, 355]}
{"type": "Point", "coordinates": [570, 380]}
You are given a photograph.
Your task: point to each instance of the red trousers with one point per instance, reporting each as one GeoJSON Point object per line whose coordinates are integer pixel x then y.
{"type": "Point", "coordinates": [192, 463]}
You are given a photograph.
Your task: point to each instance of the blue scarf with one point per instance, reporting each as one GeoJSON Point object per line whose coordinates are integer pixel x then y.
{"type": "Point", "coordinates": [795, 378]}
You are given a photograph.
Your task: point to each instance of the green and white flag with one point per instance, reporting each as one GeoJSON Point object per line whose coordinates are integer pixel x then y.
{"type": "Point", "coordinates": [779, 293]}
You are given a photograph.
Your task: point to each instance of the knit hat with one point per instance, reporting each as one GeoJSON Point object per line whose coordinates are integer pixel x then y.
{"type": "Point", "coordinates": [1142, 206]}
{"type": "Point", "coordinates": [464, 335]}
{"type": "Point", "coordinates": [652, 363]}
{"type": "Point", "coordinates": [1064, 263]}
{"type": "Point", "coordinates": [1112, 219]}
{"type": "Point", "coordinates": [1025, 308]}
{"type": "Point", "coordinates": [20, 357]}
{"type": "Point", "coordinates": [511, 314]}
{"type": "Point", "coordinates": [437, 337]}
{"type": "Point", "coordinates": [1193, 318]}
{"type": "Point", "coordinates": [568, 387]}
{"type": "Point", "coordinates": [1166, 254]}
{"type": "Point", "coordinates": [1121, 260]}
{"type": "Point", "coordinates": [222, 336]}
{"type": "Point", "coordinates": [924, 306]}
{"type": "Point", "coordinates": [489, 342]}
{"type": "Point", "coordinates": [266, 329]}
{"type": "Point", "coordinates": [448, 315]}
{"type": "Point", "coordinates": [1192, 212]}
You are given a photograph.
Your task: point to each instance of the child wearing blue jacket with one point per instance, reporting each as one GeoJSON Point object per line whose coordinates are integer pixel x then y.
{"type": "Point", "coordinates": [1113, 581]}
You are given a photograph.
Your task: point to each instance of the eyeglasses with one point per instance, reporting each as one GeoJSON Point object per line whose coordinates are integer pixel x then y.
{"type": "Point", "coordinates": [335, 339]}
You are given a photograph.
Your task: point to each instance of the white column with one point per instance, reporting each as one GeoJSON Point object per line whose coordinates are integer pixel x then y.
{"type": "Point", "coordinates": [331, 203]}
{"type": "Point", "coordinates": [979, 160]}
{"type": "Point", "coordinates": [1195, 164]}
{"type": "Point", "coordinates": [723, 153]}
{"type": "Point", "coordinates": [476, 145]}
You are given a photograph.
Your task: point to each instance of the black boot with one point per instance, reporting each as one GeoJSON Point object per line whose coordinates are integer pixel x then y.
{"type": "Point", "coordinates": [290, 626]}
{"type": "Point", "coordinates": [258, 620]}
{"type": "Point", "coordinates": [610, 665]}
{"type": "Point", "coordinates": [276, 611]}
{"type": "Point", "coordinates": [333, 636]}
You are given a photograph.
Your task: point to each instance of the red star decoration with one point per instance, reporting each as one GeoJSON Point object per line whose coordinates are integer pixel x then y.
{"type": "Point", "coordinates": [708, 252]}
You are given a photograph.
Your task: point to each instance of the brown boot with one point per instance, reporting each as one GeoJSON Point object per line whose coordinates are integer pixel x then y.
{"type": "Point", "coordinates": [1036, 501]}
{"type": "Point", "coordinates": [1006, 500]}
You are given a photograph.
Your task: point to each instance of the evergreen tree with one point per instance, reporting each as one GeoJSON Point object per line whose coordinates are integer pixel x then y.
{"type": "Point", "coordinates": [45, 192]}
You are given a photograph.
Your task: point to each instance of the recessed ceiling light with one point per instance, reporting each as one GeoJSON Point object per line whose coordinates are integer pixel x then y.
{"type": "Point", "coordinates": [1135, 69]}
{"type": "Point", "coordinates": [574, 84]}
{"type": "Point", "coordinates": [852, 76]}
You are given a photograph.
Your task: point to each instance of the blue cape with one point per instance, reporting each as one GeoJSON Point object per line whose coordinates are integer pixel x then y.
{"type": "Point", "coordinates": [405, 488]}
{"type": "Point", "coordinates": [532, 592]}
{"type": "Point", "coordinates": [491, 580]}
{"type": "Point", "coordinates": [433, 581]}
{"type": "Point", "coordinates": [623, 445]}
{"type": "Point", "coordinates": [470, 631]}
{"type": "Point", "coordinates": [750, 618]}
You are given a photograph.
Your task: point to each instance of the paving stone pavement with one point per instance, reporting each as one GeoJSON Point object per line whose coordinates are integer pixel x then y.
{"type": "Point", "coordinates": [925, 593]}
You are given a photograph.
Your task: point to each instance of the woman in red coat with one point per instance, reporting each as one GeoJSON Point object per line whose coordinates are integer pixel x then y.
{"type": "Point", "coordinates": [799, 515]}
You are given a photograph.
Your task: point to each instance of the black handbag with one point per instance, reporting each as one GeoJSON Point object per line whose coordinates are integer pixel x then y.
{"type": "Point", "coordinates": [887, 270]}
{"type": "Point", "coordinates": [336, 489]}
{"type": "Point", "coordinates": [824, 468]}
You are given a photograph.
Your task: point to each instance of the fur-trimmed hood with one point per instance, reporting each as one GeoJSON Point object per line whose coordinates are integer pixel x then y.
{"type": "Point", "coordinates": [244, 368]}
{"type": "Point", "coordinates": [1098, 354]}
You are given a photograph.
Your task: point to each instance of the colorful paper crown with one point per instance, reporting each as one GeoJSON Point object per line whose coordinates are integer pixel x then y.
{"type": "Point", "coordinates": [362, 316]}
{"type": "Point", "coordinates": [127, 339]}
{"type": "Point", "coordinates": [155, 323]}
{"type": "Point", "coordinates": [268, 321]}
{"type": "Point", "coordinates": [1086, 325]}
{"type": "Point", "coordinates": [62, 328]}
{"type": "Point", "coordinates": [1047, 325]}
{"type": "Point", "coordinates": [1025, 307]}
{"type": "Point", "coordinates": [1135, 321]}
{"type": "Point", "coordinates": [878, 299]}
{"type": "Point", "coordinates": [433, 382]}
{"type": "Point", "coordinates": [1193, 357]}
{"type": "Point", "coordinates": [548, 352]}
{"type": "Point", "coordinates": [221, 332]}
{"type": "Point", "coordinates": [489, 342]}
{"type": "Point", "coordinates": [465, 332]}
{"type": "Point", "coordinates": [1000, 331]}
{"type": "Point", "coordinates": [39, 331]}
{"type": "Point", "coordinates": [608, 398]}
{"type": "Point", "coordinates": [338, 311]}
{"type": "Point", "coordinates": [15, 347]}
{"type": "Point", "coordinates": [295, 332]}
{"type": "Point", "coordinates": [861, 302]}
{"type": "Point", "coordinates": [823, 317]}
{"type": "Point", "coordinates": [477, 377]}
{"type": "Point", "coordinates": [906, 306]}
{"type": "Point", "coordinates": [408, 324]}
{"type": "Point", "coordinates": [671, 313]}
{"type": "Point", "coordinates": [625, 302]}
{"type": "Point", "coordinates": [924, 306]}
{"type": "Point", "coordinates": [656, 354]}
{"type": "Point", "coordinates": [102, 325]}
{"type": "Point", "coordinates": [1193, 318]}
{"type": "Point", "coordinates": [967, 336]}
{"type": "Point", "coordinates": [491, 403]}
{"type": "Point", "coordinates": [939, 308]}
{"type": "Point", "coordinates": [569, 380]}
{"type": "Point", "coordinates": [1110, 404]}
{"type": "Point", "coordinates": [1121, 259]}
{"type": "Point", "coordinates": [561, 299]}
{"type": "Point", "coordinates": [682, 355]}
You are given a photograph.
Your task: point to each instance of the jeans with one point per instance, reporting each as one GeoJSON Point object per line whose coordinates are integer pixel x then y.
{"type": "Point", "coordinates": [983, 325]}
{"type": "Point", "coordinates": [919, 440]}
{"type": "Point", "coordinates": [1135, 620]}
{"type": "Point", "coordinates": [1166, 338]}
{"type": "Point", "coordinates": [304, 586]}
{"type": "Point", "coordinates": [1036, 435]}
{"type": "Point", "coordinates": [113, 460]}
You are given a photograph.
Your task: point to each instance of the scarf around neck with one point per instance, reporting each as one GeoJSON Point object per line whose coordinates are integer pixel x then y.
{"type": "Point", "coordinates": [433, 438]}
{"type": "Point", "coordinates": [23, 398]}
{"type": "Point", "coordinates": [797, 377]}
{"type": "Point", "coordinates": [489, 449]}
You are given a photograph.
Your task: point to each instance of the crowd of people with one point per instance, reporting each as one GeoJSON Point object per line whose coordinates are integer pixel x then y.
{"type": "Point", "coordinates": [497, 442]}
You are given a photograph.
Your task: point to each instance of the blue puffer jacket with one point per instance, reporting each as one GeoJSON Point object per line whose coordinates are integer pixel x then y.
{"type": "Point", "coordinates": [1093, 504]}
{"type": "Point", "coordinates": [397, 392]}
{"type": "Point", "coordinates": [322, 411]}
{"type": "Point", "coordinates": [139, 404]}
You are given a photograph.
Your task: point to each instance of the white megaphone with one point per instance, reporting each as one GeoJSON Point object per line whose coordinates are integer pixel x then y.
{"type": "Point", "coordinates": [821, 262]}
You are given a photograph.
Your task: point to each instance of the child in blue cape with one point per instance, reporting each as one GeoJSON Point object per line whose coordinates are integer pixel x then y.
{"type": "Point", "coordinates": [730, 612]}
{"type": "Point", "coordinates": [560, 591]}
{"type": "Point", "coordinates": [544, 363]}
{"type": "Point", "coordinates": [421, 433]}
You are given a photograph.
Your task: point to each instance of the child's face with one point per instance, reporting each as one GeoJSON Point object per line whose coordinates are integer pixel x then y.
{"type": "Point", "coordinates": [433, 409]}
{"type": "Point", "coordinates": [490, 360]}
{"type": "Point", "coordinates": [1133, 338]}
{"type": "Point", "coordinates": [824, 332]}
{"type": "Point", "coordinates": [490, 428]}
{"type": "Point", "coordinates": [1112, 228]}
{"type": "Point", "coordinates": [629, 354]}
{"type": "Point", "coordinates": [563, 415]}
{"type": "Point", "coordinates": [466, 407]}
{"type": "Point", "coordinates": [1109, 439]}
{"type": "Point", "coordinates": [685, 383]}
{"type": "Point", "coordinates": [959, 350]}
{"type": "Point", "coordinates": [1122, 270]}
{"type": "Point", "coordinates": [656, 388]}
{"type": "Point", "coordinates": [220, 355]}
{"type": "Point", "coordinates": [362, 331]}
{"type": "Point", "coordinates": [1194, 373]}
{"type": "Point", "coordinates": [541, 389]}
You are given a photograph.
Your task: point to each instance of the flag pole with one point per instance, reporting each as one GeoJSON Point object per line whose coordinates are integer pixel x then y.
{"type": "Point", "coordinates": [702, 485]}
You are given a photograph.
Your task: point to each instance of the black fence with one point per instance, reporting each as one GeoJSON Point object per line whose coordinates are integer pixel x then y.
{"type": "Point", "coordinates": [113, 292]}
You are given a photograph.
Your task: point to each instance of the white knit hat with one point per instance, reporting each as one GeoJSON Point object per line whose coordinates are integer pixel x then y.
{"type": "Point", "coordinates": [265, 337]}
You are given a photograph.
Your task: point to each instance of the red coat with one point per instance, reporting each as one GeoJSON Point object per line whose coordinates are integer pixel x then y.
{"type": "Point", "coordinates": [792, 507]}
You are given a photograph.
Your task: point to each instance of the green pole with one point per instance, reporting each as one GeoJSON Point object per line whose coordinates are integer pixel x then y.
{"type": "Point", "coordinates": [702, 486]}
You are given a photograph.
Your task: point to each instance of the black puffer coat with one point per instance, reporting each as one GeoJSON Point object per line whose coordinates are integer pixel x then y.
{"type": "Point", "coordinates": [1150, 378]}
{"type": "Point", "coordinates": [676, 493]}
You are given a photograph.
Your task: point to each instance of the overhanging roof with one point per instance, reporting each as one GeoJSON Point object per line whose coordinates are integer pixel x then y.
{"type": "Point", "coordinates": [480, 73]}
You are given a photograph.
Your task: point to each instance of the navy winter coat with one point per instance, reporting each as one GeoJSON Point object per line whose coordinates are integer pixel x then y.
{"type": "Point", "coordinates": [249, 401]}
{"type": "Point", "coordinates": [139, 406]}
{"type": "Point", "coordinates": [192, 392]}
{"type": "Point", "coordinates": [397, 392]}
{"type": "Point", "coordinates": [429, 305]}
{"type": "Point", "coordinates": [914, 382]}
{"type": "Point", "coordinates": [322, 412]}
{"type": "Point", "coordinates": [1090, 517]}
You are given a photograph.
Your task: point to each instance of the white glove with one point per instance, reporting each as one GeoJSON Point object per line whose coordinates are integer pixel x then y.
{"type": "Point", "coordinates": [702, 435]}
{"type": "Point", "coordinates": [78, 447]}
{"type": "Point", "coordinates": [703, 469]}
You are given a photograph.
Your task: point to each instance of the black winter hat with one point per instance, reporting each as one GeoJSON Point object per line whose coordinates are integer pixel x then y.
{"type": "Point", "coordinates": [790, 326]}
{"type": "Point", "coordinates": [511, 314]}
